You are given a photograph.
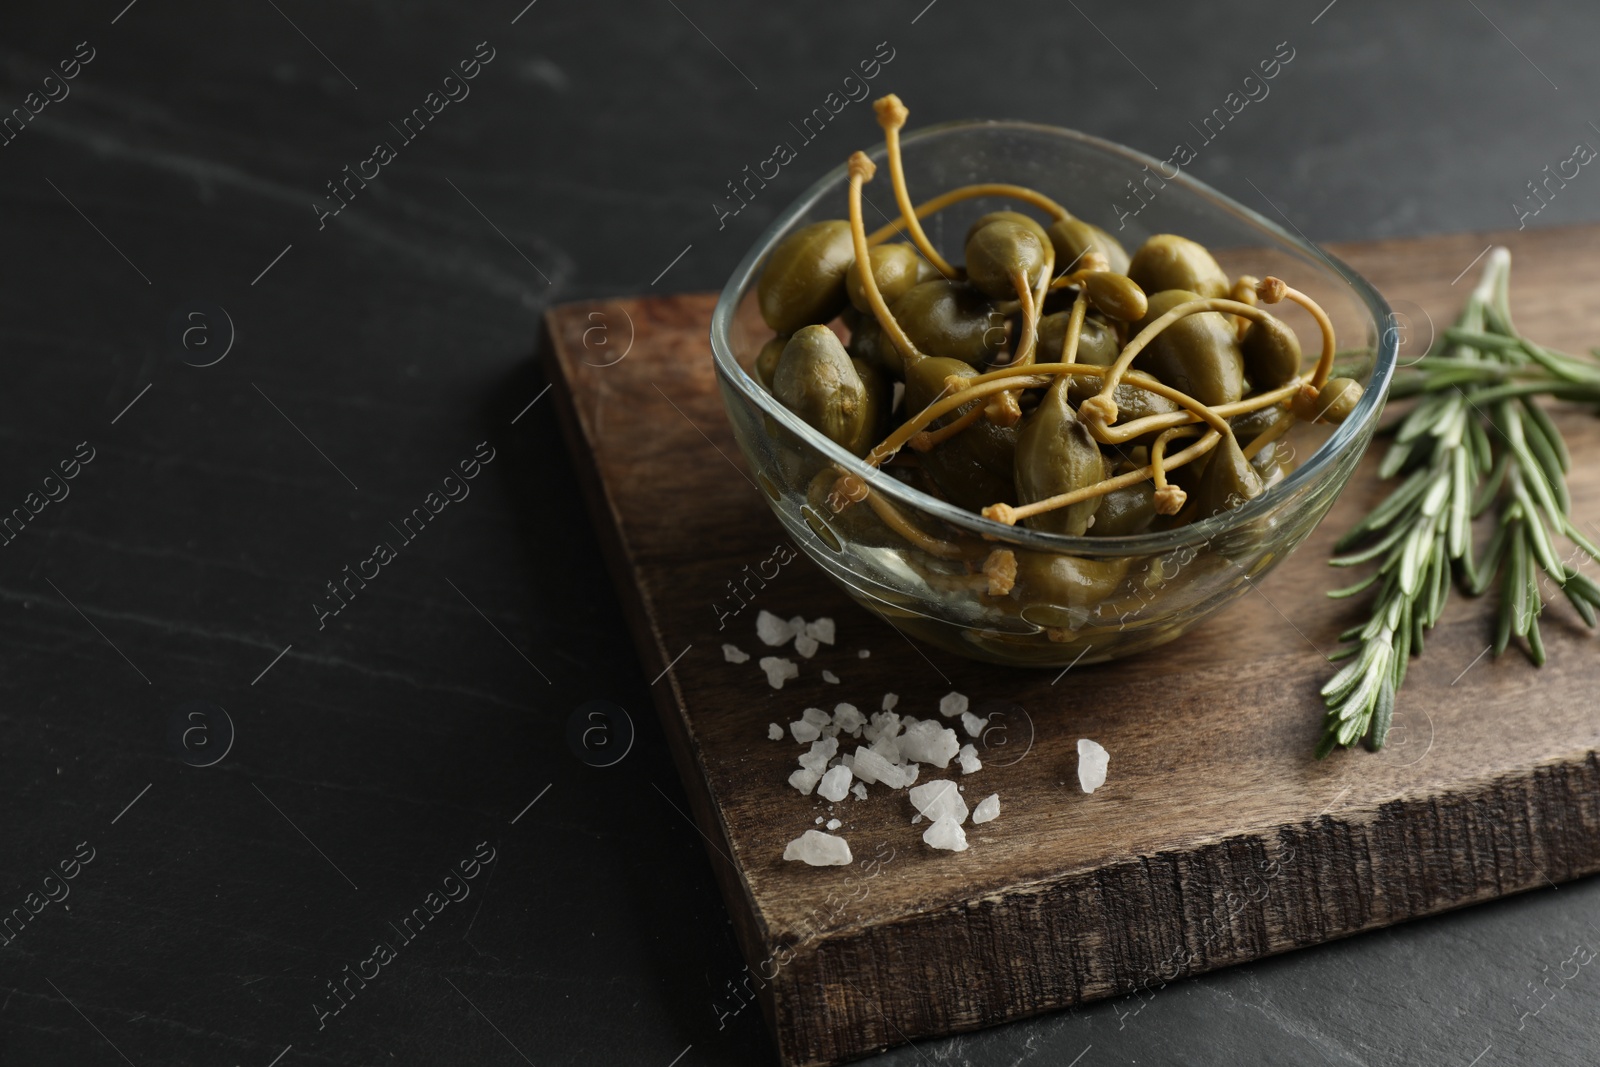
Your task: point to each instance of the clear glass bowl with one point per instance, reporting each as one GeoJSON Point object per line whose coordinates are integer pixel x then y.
{"type": "Point", "coordinates": [1117, 595]}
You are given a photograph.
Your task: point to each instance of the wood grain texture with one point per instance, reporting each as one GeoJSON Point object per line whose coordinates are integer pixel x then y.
{"type": "Point", "coordinates": [1217, 839]}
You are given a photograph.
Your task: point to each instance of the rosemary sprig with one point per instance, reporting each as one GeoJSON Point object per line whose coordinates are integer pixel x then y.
{"type": "Point", "coordinates": [1477, 438]}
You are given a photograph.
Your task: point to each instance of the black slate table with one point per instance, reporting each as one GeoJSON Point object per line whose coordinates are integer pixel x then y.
{"type": "Point", "coordinates": [303, 625]}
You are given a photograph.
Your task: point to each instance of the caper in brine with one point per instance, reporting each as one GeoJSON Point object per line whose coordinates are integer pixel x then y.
{"type": "Point", "coordinates": [1115, 295]}
{"type": "Point", "coordinates": [895, 267]}
{"type": "Point", "coordinates": [1271, 353]}
{"type": "Point", "coordinates": [1097, 342]}
{"type": "Point", "coordinates": [1133, 402]}
{"type": "Point", "coordinates": [1010, 216]}
{"type": "Point", "coordinates": [1074, 237]}
{"type": "Point", "coordinates": [974, 468]}
{"type": "Point", "coordinates": [1229, 480]}
{"type": "Point", "coordinates": [1167, 261]}
{"type": "Point", "coordinates": [872, 346]}
{"type": "Point", "coordinates": [1063, 591]}
{"type": "Point", "coordinates": [1197, 354]}
{"type": "Point", "coordinates": [1125, 511]}
{"type": "Point", "coordinates": [802, 283]}
{"type": "Point", "coordinates": [1055, 455]}
{"type": "Point", "coordinates": [1004, 256]}
{"type": "Point", "coordinates": [952, 319]}
{"type": "Point", "coordinates": [1337, 399]}
{"type": "Point", "coordinates": [841, 398]}
{"type": "Point", "coordinates": [767, 360]}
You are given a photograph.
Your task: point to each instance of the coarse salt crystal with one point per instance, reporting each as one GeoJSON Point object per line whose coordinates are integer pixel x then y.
{"type": "Point", "coordinates": [1092, 761]}
{"type": "Point", "coordinates": [871, 767]}
{"type": "Point", "coordinates": [774, 732]}
{"type": "Point", "coordinates": [987, 810]}
{"type": "Point", "coordinates": [883, 723]}
{"type": "Point", "coordinates": [849, 719]}
{"type": "Point", "coordinates": [939, 800]}
{"type": "Point", "coordinates": [821, 630]}
{"type": "Point", "coordinates": [889, 748]}
{"type": "Point", "coordinates": [947, 834]}
{"type": "Point", "coordinates": [804, 780]}
{"type": "Point", "coordinates": [816, 716]}
{"type": "Point", "coordinates": [890, 700]}
{"type": "Point", "coordinates": [928, 742]}
{"type": "Point", "coordinates": [830, 677]}
{"type": "Point", "coordinates": [818, 849]}
{"type": "Point", "coordinates": [772, 630]}
{"type": "Point", "coordinates": [972, 724]}
{"type": "Point", "coordinates": [797, 625]}
{"type": "Point", "coordinates": [835, 783]}
{"type": "Point", "coordinates": [834, 824]}
{"type": "Point", "coordinates": [859, 790]}
{"type": "Point", "coordinates": [804, 731]}
{"type": "Point", "coordinates": [779, 670]}
{"type": "Point", "coordinates": [806, 645]}
{"type": "Point", "coordinates": [821, 752]}
{"type": "Point", "coordinates": [865, 653]}
{"type": "Point", "coordinates": [952, 704]}
{"type": "Point", "coordinates": [818, 820]}
{"type": "Point", "coordinates": [735, 654]}
{"type": "Point", "coordinates": [968, 757]}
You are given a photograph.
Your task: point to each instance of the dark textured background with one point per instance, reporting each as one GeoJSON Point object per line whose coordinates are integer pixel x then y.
{"type": "Point", "coordinates": [192, 548]}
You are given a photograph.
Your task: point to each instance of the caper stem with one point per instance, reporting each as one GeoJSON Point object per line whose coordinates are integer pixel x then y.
{"type": "Point", "coordinates": [862, 170]}
{"type": "Point", "coordinates": [927, 439]}
{"type": "Point", "coordinates": [1069, 343]}
{"type": "Point", "coordinates": [1279, 427]}
{"type": "Point", "coordinates": [1244, 291]}
{"type": "Point", "coordinates": [971, 192]}
{"type": "Point", "coordinates": [893, 443]}
{"type": "Point", "coordinates": [1101, 409]}
{"type": "Point", "coordinates": [1271, 290]}
{"type": "Point", "coordinates": [1010, 514]}
{"type": "Point", "coordinates": [892, 115]}
{"type": "Point", "coordinates": [1169, 498]}
{"type": "Point", "coordinates": [853, 488]}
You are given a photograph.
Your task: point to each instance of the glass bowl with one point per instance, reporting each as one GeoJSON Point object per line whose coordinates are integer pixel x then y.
{"type": "Point", "coordinates": [1107, 596]}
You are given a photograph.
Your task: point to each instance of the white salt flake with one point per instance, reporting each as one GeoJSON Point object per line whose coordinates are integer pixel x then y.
{"type": "Point", "coordinates": [806, 645]}
{"type": "Point", "coordinates": [735, 654]}
{"type": "Point", "coordinates": [871, 767]}
{"type": "Point", "coordinates": [818, 820]}
{"type": "Point", "coordinates": [816, 716]}
{"type": "Point", "coordinates": [884, 723]}
{"type": "Point", "coordinates": [849, 719]}
{"type": "Point", "coordinates": [805, 731]}
{"type": "Point", "coordinates": [988, 809]}
{"type": "Point", "coordinates": [865, 653]}
{"type": "Point", "coordinates": [890, 700]}
{"type": "Point", "coordinates": [972, 724]}
{"type": "Point", "coordinates": [774, 732]}
{"type": "Point", "coordinates": [772, 630]}
{"type": "Point", "coordinates": [1092, 761]}
{"type": "Point", "coordinates": [797, 625]}
{"type": "Point", "coordinates": [820, 630]}
{"type": "Point", "coordinates": [834, 824]}
{"type": "Point", "coordinates": [888, 747]}
{"type": "Point", "coordinates": [779, 670]}
{"type": "Point", "coordinates": [821, 752]}
{"type": "Point", "coordinates": [939, 800]}
{"type": "Point", "coordinates": [968, 757]}
{"type": "Point", "coordinates": [928, 742]}
{"type": "Point", "coordinates": [947, 834]}
{"type": "Point", "coordinates": [819, 849]}
{"type": "Point", "coordinates": [859, 790]}
{"type": "Point", "coordinates": [804, 780]}
{"type": "Point", "coordinates": [830, 677]}
{"type": "Point", "coordinates": [835, 784]}
{"type": "Point", "coordinates": [952, 704]}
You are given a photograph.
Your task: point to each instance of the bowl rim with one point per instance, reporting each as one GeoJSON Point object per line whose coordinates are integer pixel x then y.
{"type": "Point", "coordinates": [1345, 435]}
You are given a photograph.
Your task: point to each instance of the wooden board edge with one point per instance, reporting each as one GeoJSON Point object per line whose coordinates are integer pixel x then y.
{"type": "Point", "coordinates": [1178, 914]}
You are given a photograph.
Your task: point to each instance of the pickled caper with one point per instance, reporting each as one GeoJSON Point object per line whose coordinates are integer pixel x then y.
{"type": "Point", "coordinates": [1167, 261]}
{"type": "Point", "coordinates": [946, 318]}
{"type": "Point", "coordinates": [974, 468]}
{"type": "Point", "coordinates": [1228, 481]}
{"type": "Point", "coordinates": [842, 398]}
{"type": "Point", "coordinates": [802, 283]}
{"type": "Point", "coordinates": [1097, 342]}
{"type": "Point", "coordinates": [1337, 399]}
{"type": "Point", "coordinates": [767, 360]}
{"type": "Point", "coordinates": [1073, 237]}
{"type": "Point", "coordinates": [1271, 353]}
{"type": "Point", "coordinates": [896, 268]}
{"type": "Point", "coordinates": [1116, 296]}
{"type": "Point", "coordinates": [1197, 354]}
{"type": "Point", "coordinates": [1055, 455]}
{"type": "Point", "coordinates": [998, 251]}
{"type": "Point", "coordinates": [1125, 511]}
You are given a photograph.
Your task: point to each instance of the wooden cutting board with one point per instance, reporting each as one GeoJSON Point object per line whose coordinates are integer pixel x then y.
{"type": "Point", "coordinates": [1216, 839]}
